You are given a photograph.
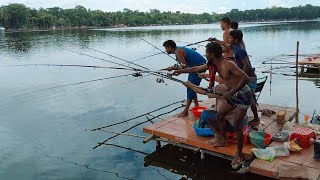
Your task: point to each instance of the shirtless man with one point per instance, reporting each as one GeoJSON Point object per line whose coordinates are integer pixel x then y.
{"type": "Point", "coordinates": [186, 58]}
{"type": "Point", "coordinates": [235, 43]}
{"type": "Point", "coordinates": [238, 96]}
{"type": "Point", "coordinates": [225, 24]}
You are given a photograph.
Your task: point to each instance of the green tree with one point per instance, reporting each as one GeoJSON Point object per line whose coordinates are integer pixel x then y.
{"type": "Point", "coordinates": [14, 16]}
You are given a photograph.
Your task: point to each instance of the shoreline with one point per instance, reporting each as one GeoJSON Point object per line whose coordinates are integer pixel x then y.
{"type": "Point", "coordinates": [120, 26]}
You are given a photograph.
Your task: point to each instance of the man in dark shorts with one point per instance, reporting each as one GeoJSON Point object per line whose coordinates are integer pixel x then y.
{"type": "Point", "coordinates": [238, 96]}
{"type": "Point", "coordinates": [241, 58]}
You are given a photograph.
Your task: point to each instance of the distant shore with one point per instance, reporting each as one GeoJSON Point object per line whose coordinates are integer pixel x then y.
{"type": "Point", "coordinates": [121, 26]}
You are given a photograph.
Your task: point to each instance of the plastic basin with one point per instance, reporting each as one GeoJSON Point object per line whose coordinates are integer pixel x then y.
{"type": "Point", "coordinates": [198, 110]}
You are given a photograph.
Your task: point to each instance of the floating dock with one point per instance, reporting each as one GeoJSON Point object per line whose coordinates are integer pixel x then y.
{"type": "Point", "coordinates": [179, 131]}
{"type": "Point", "coordinates": [310, 65]}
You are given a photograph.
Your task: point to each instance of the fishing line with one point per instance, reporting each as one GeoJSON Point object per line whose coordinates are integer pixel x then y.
{"type": "Point", "coordinates": [87, 166]}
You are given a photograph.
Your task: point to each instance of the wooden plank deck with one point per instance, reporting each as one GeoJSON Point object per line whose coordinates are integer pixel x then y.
{"type": "Point", "coordinates": [180, 130]}
{"type": "Point", "coordinates": [302, 160]}
{"type": "Point", "coordinates": [314, 61]}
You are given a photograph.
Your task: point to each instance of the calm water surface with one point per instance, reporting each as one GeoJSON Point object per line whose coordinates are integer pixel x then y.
{"type": "Point", "coordinates": [47, 134]}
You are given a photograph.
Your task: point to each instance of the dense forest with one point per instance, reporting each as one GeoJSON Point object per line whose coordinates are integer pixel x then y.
{"type": "Point", "coordinates": [18, 16]}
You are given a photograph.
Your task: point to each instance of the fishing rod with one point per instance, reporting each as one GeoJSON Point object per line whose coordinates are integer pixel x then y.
{"type": "Point", "coordinates": [159, 80]}
{"type": "Point", "coordinates": [196, 42]}
{"type": "Point", "coordinates": [91, 66]}
{"type": "Point", "coordinates": [101, 143]}
{"type": "Point", "coordinates": [273, 59]}
{"type": "Point", "coordinates": [148, 120]}
{"type": "Point", "coordinates": [145, 57]}
{"type": "Point", "coordinates": [102, 59]}
{"type": "Point", "coordinates": [161, 49]}
{"type": "Point", "coordinates": [165, 52]}
{"type": "Point", "coordinates": [138, 116]}
{"type": "Point", "coordinates": [82, 82]}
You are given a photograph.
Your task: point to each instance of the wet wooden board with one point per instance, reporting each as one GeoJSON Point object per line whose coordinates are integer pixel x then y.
{"type": "Point", "coordinates": [180, 130]}
{"type": "Point", "coordinates": [303, 159]}
{"type": "Point", "coordinates": [311, 61]}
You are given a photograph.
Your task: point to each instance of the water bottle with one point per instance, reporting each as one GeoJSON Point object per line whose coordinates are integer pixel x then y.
{"type": "Point", "coordinates": [260, 128]}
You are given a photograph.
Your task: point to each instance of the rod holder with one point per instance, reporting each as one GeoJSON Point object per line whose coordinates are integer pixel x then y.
{"type": "Point", "coordinates": [202, 154]}
{"type": "Point", "coordinates": [148, 139]}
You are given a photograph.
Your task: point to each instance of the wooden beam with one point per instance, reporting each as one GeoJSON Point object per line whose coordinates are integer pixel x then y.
{"type": "Point", "coordinates": [297, 84]}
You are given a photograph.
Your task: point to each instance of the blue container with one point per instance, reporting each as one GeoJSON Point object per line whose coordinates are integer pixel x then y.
{"type": "Point", "coordinates": [202, 131]}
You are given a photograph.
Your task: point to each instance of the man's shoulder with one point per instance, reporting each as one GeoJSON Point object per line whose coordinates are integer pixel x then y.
{"type": "Point", "coordinates": [180, 50]}
{"type": "Point", "coordinates": [227, 62]}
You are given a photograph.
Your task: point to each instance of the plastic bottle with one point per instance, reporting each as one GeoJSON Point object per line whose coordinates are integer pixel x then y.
{"type": "Point", "coordinates": [260, 128]}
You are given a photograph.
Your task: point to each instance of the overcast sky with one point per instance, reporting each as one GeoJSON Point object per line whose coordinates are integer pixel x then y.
{"type": "Point", "coordinates": [191, 6]}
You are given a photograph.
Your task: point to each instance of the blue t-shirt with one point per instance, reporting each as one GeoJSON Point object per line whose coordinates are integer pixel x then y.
{"type": "Point", "coordinates": [193, 58]}
{"type": "Point", "coordinates": [239, 54]}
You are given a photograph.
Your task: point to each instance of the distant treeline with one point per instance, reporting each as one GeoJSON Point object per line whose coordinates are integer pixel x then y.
{"type": "Point", "coordinates": [18, 16]}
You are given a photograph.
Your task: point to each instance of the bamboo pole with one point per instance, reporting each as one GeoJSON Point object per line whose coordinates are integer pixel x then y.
{"type": "Point", "coordinates": [297, 85]}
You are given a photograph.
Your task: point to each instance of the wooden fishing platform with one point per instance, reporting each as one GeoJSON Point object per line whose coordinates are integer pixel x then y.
{"type": "Point", "coordinates": [311, 64]}
{"type": "Point", "coordinates": [179, 131]}
{"type": "Point", "coordinates": [297, 165]}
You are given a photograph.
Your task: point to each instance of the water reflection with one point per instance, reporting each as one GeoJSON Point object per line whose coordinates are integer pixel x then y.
{"type": "Point", "coordinates": [186, 163]}
{"type": "Point", "coordinates": [17, 42]}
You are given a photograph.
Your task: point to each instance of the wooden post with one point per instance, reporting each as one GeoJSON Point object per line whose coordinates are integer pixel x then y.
{"type": "Point", "coordinates": [297, 85]}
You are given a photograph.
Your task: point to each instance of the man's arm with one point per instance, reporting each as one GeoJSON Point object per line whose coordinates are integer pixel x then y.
{"type": "Point", "coordinates": [246, 66]}
{"type": "Point", "coordinates": [226, 46]}
{"type": "Point", "coordinates": [226, 36]}
{"type": "Point", "coordinates": [195, 88]}
{"type": "Point", "coordinates": [194, 69]}
{"type": "Point", "coordinates": [244, 79]}
{"type": "Point", "coordinates": [245, 61]}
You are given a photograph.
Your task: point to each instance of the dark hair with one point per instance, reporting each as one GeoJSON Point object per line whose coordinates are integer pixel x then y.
{"type": "Point", "coordinates": [170, 43]}
{"type": "Point", "coordinates": [236, 34]}
{"type": "Point", "coordinates": [214, 48]}
{"type": "Point", "coordinates": [234, 25]}
{"type": "Point", "coordinates": [226, 20]}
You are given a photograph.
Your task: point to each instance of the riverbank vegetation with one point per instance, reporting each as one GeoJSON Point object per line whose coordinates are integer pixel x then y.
{"type": "Point", "coordinates": [21, 17]}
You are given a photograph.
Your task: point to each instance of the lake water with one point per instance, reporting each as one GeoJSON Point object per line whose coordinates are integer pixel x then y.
{"type": "Point", "coordinates": [47, 134]}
